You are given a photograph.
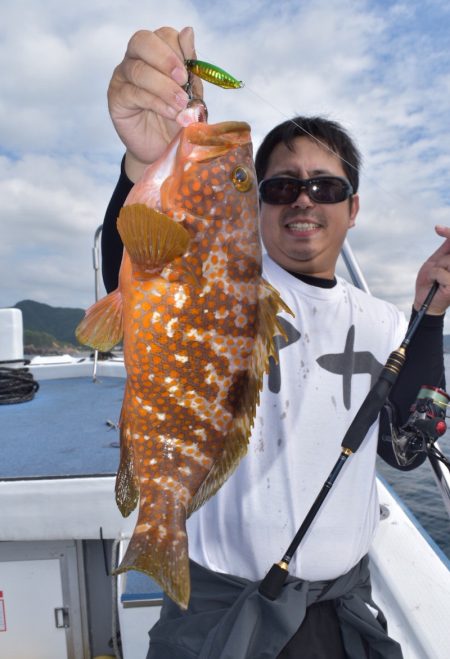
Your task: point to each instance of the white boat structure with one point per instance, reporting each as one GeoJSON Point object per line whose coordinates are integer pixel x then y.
{"type": "Point", "coordinates": [61, 532]}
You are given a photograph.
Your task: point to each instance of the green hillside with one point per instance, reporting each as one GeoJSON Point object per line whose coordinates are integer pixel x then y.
{"type": "Point", "coordinates": [58, 322]}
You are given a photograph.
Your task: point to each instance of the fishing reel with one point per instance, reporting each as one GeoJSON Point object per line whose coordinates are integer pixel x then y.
{"type": "Point", "coordinates": [425, 425]}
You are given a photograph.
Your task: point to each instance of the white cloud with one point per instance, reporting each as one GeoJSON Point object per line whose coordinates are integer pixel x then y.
{"type": "Point", "coordinates": [380, 68]}
{"type": "Point", "coordinates": [50, 210]}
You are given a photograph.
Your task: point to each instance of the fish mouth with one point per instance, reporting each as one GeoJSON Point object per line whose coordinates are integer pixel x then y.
{"type": "Point", "coordinates": [226, 133]}
{"type": "Point", "coordinates": [199, 105]}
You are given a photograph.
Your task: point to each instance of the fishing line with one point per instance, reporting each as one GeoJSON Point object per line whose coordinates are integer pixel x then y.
{"type": "Point", "coordinates": [393, 195]}
{"type": "Point", "coordinates": [282, 114]}
{"type": "Point", "coordinates": [324, 145]}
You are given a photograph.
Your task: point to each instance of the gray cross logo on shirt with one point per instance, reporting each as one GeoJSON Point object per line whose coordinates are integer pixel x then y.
{"type": "Point", "coordinates": [346, 363]}
{"type": "Point", "coordinates": [349, 363]}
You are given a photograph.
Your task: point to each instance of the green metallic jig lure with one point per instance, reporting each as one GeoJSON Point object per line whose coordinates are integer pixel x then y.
{"type": "Point", "coordinates": [213, 74]}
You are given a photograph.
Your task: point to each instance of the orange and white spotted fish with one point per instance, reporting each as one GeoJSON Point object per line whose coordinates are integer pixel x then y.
{"type": "Point", "coordinates": [198, 324]}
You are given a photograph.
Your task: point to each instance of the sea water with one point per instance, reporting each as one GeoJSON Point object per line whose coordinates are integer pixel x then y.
{"type": "Point", "coordinates": [418, 489]}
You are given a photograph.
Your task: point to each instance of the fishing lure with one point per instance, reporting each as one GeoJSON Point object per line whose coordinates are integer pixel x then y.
{"type": "Point", "coordinates": [213, 74]}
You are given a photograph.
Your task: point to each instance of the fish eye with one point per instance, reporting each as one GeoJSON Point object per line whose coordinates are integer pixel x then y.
{"type": "Point", "coordinates": [242, 178]}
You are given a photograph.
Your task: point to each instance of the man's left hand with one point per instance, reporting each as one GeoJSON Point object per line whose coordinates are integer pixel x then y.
{"type": "Point", "coordinates": [436, 268]}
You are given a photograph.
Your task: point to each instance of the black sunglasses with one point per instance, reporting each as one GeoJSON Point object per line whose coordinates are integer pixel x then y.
{"type": "Point", "coordinates": [321, 189]}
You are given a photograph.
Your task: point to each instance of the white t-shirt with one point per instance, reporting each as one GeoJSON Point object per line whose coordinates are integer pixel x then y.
{"type": "Point", "coordinates": [340, 338]}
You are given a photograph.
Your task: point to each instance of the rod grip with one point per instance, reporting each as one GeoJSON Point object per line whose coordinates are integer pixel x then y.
{"type": "Point", "coordinates": [367, 413]}
{"type": "Point", "coordinates": [272, 584]}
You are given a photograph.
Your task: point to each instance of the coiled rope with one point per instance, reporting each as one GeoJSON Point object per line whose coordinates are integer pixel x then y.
{"type": "Point", "coordinates": [17, 385]}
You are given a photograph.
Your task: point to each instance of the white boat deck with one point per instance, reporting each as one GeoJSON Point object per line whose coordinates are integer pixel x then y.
{"type": "Point", "coordinates": [411, 582]}
{"type": "Point", "coordinates": [411, 576]}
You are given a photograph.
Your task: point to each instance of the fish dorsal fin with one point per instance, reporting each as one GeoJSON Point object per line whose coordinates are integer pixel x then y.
{"type": "Point", "coordinates": [152, 239]}
{"type": "Point", "coordinates": [102, 326]}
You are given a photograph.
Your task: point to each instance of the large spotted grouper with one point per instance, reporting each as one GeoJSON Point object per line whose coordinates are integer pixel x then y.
{"type": "Point", "coordinates": [198, 322]}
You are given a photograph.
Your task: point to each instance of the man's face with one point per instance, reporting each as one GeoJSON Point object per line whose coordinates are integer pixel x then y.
{"type": "Point", "coordinates": [305, 236]}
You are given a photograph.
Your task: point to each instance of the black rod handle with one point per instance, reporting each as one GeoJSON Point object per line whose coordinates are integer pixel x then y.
{"type": "Point", "coordinates": [377, 396]}
{"type": "Point", "coordinates": [370, 409]}
{"type": "Point", "coordinates": [274, 580]}
{"type": "Point", "coordinates": [315, 507]}
{"type": "Point", "coordinates": [272, 584]}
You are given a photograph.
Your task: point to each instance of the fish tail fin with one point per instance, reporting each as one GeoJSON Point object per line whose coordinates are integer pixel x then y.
{"type": "Point", "coordinates": [152, 239]}
{"type": "Point", "coordinates": [127, 482]}
{"type": "Point", "coordinates": [160, 550]}
{"type": "Point", "coordinates": [102, 325]}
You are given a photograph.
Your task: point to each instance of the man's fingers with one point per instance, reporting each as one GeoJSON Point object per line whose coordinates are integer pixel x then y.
{"type": "Point", "coordinates": [187, 44]}
{"type": "Point", "coordinates": [186, 39]}
{"type": "Point", "coordinates": [139, 74]}
{"type": "Point", "coordinates": [159, 49]}
{"type": "Point", "coordinates": [134, 100]}
{"type": "Point", "coordinates": [443, 232]}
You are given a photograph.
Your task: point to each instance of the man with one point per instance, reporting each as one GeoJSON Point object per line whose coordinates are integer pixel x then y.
{"type": "Point", "coordinates": [337, 343]}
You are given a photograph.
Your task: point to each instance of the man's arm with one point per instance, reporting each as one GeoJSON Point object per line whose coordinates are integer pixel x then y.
{"type": "Point", "coordinates": [145, 97]}
{"type": "Point", "coordinates": [425, 355]}
{"type": "Point", "coordinates": [145, 94]}
{"type": "Point", "coordinates": [112, 246]}
{"type": "Point", "coordinates": [424, 365]}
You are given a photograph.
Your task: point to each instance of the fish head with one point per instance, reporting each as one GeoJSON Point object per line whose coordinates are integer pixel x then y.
{"type": "Point", "coordinates": [213, 174]}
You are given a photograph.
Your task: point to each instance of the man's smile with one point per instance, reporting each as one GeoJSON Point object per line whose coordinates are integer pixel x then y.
{"type": "Point", "coordinates": [299, 224]}
{"type": "Point", "coordinates": [302, 225]}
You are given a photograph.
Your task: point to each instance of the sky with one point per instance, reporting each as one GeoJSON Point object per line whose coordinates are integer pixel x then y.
{"type": "Point", "coordinates": [380, 68]}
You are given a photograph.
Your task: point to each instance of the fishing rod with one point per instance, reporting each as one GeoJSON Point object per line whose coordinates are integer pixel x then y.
{"type": "Point", "coordinates": [429, 442]}
{"type": "Point", "coordinates": [367, 414]}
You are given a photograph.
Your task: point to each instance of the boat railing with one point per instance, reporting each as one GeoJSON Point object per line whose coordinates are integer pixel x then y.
{"type": "Point", "coordinates": [96, 260]}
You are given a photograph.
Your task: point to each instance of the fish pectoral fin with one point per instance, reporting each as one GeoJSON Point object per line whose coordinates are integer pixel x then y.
{"type": "Point", "coordinates": [152, 239]}
{"type": "Point", "coordinates": [102, 326]}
